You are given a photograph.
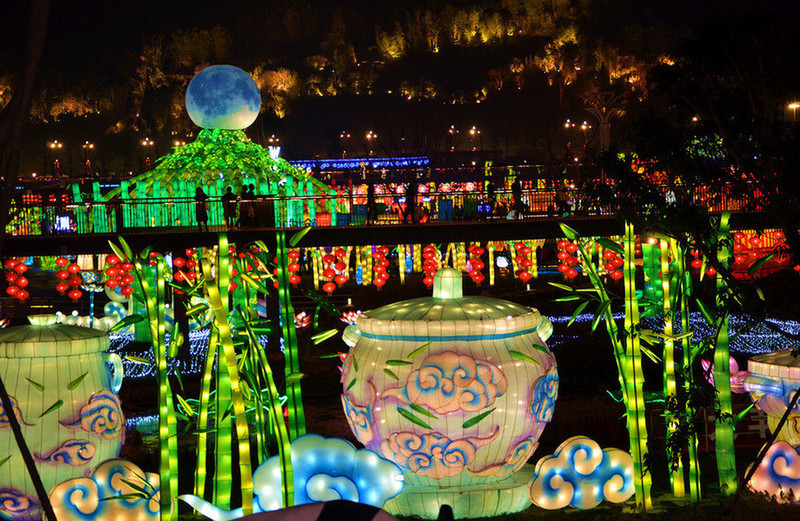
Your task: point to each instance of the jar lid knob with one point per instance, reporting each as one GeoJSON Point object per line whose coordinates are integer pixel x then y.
{"type": "Point", "coordinates": [447, 284]}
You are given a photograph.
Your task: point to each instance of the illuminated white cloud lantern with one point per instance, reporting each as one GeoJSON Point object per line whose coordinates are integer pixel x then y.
{"type": "Point", "coordinates": [117, 490]}
{"type": "Point", "coordinates": [323, 469]}
{"type": "Point", "coordinates": [64, 397]}
{"type": "Point", "coordinates": [582, 474]}
{"type": "Point", "coordinates": [455, 390]}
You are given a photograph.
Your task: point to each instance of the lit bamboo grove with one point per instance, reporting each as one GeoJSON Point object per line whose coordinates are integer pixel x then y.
{"type": "Point", "coordinates": [238, 397]}
{"type": "Point", "coordinates": [628, 356]}
{"type": "Point", "coordinates": [153, 298]}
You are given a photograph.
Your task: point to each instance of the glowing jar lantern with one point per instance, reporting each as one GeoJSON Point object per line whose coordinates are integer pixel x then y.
{"type": "Point", "coordinates": [773, 379]}
{"type": "Point", "coordinates": [455, 390]}
{"type": "Point", "coordinates": [64, 397]}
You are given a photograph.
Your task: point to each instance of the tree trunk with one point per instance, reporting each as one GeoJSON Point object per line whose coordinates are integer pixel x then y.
{"type": "Point", "coordinates": [12, 122]}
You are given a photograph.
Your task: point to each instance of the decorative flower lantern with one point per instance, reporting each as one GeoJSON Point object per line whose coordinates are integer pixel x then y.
{"type": "Point", "coordinates": [772, 382]}
{"type": "Point", "coordinates": [455, 390]}
{"type": "Point", "coordinates": [65, 399]}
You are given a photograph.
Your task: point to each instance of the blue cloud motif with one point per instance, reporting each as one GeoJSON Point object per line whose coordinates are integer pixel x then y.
{"type": "Point", "coordinates": [324, 469]}
{"type": "Point", "coordinates": [92, 498]}
{"type": "Point", "coordinates": [545, 393]}
{"type": "Point", "coordinates": [778, 473]}
{"type": "Point", "coordinates": [16, 505]}
{"type": "Point", "coordinates": [581, 474]}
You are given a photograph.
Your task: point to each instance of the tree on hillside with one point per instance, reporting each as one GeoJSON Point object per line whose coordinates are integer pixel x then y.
{"type": "Point", "coordinates": [717, 116]}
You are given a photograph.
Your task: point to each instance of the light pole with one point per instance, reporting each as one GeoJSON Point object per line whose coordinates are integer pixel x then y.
{"type": "Point", "coordinates": [53, 147]}
{"type": "Point", "coordinates": [88, 147]}
{"type": "Point", "coordinates": [370, 137]}
{"type": "Point", "coordinates": [793, 106]}
{"type": "Point", "coordinates": [147, 143]}
{"type": "Point", "coordinates": [343, 141]}
{"type": "Point", "coordinates": [473, 133]}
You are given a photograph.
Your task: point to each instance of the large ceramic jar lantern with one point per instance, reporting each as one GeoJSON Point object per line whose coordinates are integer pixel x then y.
{"type": "Point", "coordinates": [774, 378]}
{"type": "Point", "coordinates": [64, 397]}
{"type": "Point", "coordinates": [455, 390]}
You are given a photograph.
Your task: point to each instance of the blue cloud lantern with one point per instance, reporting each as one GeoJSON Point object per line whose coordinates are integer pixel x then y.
{"type": "Point", "coordinates": [223, 97]}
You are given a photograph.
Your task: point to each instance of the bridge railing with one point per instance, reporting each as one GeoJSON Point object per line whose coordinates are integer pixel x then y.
{"type": "Point", "coordinates": [340, 208]}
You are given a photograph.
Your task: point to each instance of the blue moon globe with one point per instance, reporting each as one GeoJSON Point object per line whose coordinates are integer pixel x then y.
{"type": "Point", "coordinates": [224, 97]}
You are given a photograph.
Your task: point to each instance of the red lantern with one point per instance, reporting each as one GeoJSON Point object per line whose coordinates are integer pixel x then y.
{"type": "Point", "coordinates": [178, 276]}
{"type": "Point", "coordinates": [428, 281]}
{"type": "Point", "coordinates": [22, 282]}
{"type": "Point", "coordinates": [179, 262]}
{"type": "Point", "coordinates": [478, 251]}
{"type": "Point", "coordinates": [379, 282]}
{"type": "Point", "coordinates": [562, 243]}
{"type": "Point", "coordinates": [609, 254]}
{"type": "Point", "coordinates": [110, 272]}
{"type": "Point", "coordinates": [12, 290]}
{"type": "Point", "coordinates": [23, 294]}
{"type": "Point", "coordinates": [294, 254]}
{"type": "Point", "coordinates": [616, 275]}
{"type": "Point", "coordinates": [20, 268]}
{"type": "Point", "coordinates": [328, 287]}
{"type": "Point", "coordinates": [340, 279]}
{"type": "Point", "coordinates": [190, 252]}
{"type": "Point", "coordinates": [61, 287]}
{"type": "Point", "coordinates": [294, 279]}
{"type": "Point", "coordinates": [11, 276]}
{"type": "Point", "coordinates": [609, 266]}
{"type": "Point", "coordinates": [62, 261]}
{"type": "Point", "coordinates": [293, 267]}
{"type": "Point", "coordinates": [62, 274]}
{"type": "Point", "coordinates": [384, 250]}
{"type": "Point", "coordinates": [328, 259]}
{"type": "Point", "coordinates": [697, 263]}
{"type": "Point", "coordinates": [127, 278]}
{"type": "Point", "coordinates": [754, 241]}
{"type": "Point", "coordinates": [478, 264]}
{"type": "Point", "coordinates": [73, 268]}
{"type": "Point", "coordinates": [617, 262]}
{"type": "Point", "coordinates": [110, 259]}
{"type": "Point", "coordinates": [711, 271]}
{"type": "Point", "coordinates": [563, 255]}
{"type": "Point", "coordinates": [191, 263]}
{"type": "Point", "coordinates": [111, 283]}
{"type": "Point", "coordinates": [126, 291]}
{"type": "Point", "coordinates": [378, 268]}
{"type": "Point", "coordinates": [571, 273]}
{"type": "Point", "coordinates": [75, 282]}
{"type": "Point", "coordinates": [563, 268]}
{"type": "Point", "coordinates": [525, 276]}
{"type": "Point", "coordinates": [340, 252]}
{"type": "Point", "coordinates": [525, 250]}
{"type": "Point", "coordinates": [10, 263]}
{"type": "Point", "coordinates": [477, 278]}
{"type": "Point", "coordinates": [329, 273]}
{"type": "Point", "coordinates": [572, 247]}
{"type": "Point", "coordinates": [126, 266]}
{"type": "Point", "coordinates": [191, 275]}
{"type": "Point", "coordinates": [233, 286]}
{"type": "Point", "coordinates": [75, 294]}
{"type": "Point", "coordinates": [340, 266]}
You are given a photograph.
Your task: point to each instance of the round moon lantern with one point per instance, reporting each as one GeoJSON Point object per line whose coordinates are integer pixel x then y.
{"type": "Point", "coordinates": [455, 390]}
{"type": "Point", "coordinates": [774, 378]}
{"type": "Point", "coordinates": [64, 398]}
{"type": "Point", "coordinates": [223, 97]}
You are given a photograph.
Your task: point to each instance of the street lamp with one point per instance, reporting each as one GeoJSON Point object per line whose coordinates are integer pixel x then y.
{"type": "Point", "coordinates": [53, 147]}
{"type": "Point", "coordinates": [88, 147]}
{"type": "Point", "coordinates": [793, 106]}
{"type": "Point", "coordinates": [343, 137]}
{"type": "Point", "coordinates": [473, 133]}
{"type": "Point", "coordinates": [453, 131]}
{"type": "Point", "coordinates": [147, 143]}
{"type": "Point", "coordinates": [370, 137]}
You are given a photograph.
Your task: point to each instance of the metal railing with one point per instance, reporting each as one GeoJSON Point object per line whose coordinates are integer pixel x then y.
{"type": "Point", "coordinates": [344, 208]}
